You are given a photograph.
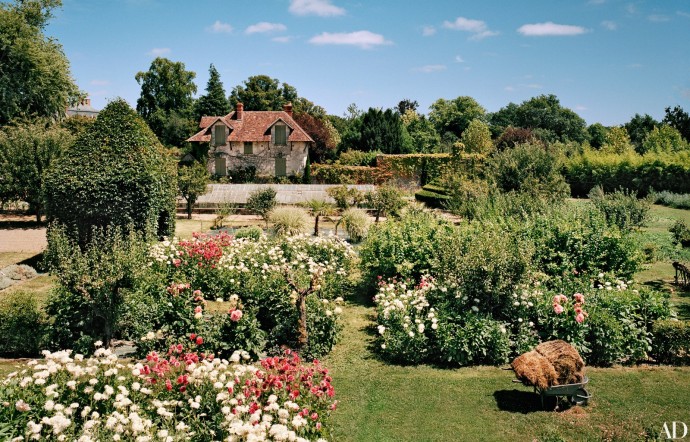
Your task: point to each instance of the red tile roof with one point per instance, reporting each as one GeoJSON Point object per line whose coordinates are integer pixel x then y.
{"type": "Point", "coordinates": [254, 126]}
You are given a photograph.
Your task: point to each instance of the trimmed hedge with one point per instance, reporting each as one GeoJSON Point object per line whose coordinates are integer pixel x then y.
{"type": "Point", "coordinates": [671, 342]}
{"type": "Point", "coordinates": [432, 196]}
{"type": "Point", "coordinates": [422, 168]}
{"type": "Point", "coordinates": [637, 173]}
{"type": "Point", "coordinates": [339, 174]}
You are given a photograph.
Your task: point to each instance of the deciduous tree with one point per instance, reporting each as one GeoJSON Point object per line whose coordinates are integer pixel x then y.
{"type": "Point", "coordinates": [679, 119]}
{"type": "Point", "coordinates": [35, 78]}
{"type": "Point", "coordinates": [453, 116]}
{"type": "Point", "coordinates": [263, 93]}
{"type": "Point", "coordinates": [191, 183]}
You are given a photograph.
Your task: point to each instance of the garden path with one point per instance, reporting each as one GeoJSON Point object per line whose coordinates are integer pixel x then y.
{"type": "Point", "coordinates": [285, 193]}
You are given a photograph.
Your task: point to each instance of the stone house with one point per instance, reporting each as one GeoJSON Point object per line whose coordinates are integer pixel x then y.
{"type": "Point", "coordinates": [83, 108]}
{"type": "Point", "coordinates": [270, 141]}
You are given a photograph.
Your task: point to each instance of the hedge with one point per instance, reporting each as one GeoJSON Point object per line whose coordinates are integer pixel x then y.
{"type": "Point", "coordinates": [432, 196]}
{"type": "Point", "coordinates": [338, 174]}
{"type": "Point", "coordinates": [671, 342]}
{"type": "Point", "coordinates": [640, 174]}
{"type": "Point", "coordinates": [422, 168]}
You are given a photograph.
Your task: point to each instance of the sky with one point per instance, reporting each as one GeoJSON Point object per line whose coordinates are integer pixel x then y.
{"type": "Point", "coordinates": [605, 59]}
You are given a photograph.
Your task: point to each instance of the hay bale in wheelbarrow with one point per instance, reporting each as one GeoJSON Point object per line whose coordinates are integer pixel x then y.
{"type": "Point", "coordinates": [550, 363]}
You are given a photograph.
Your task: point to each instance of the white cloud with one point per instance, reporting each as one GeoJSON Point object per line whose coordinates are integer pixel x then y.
{"type": "Point", "coordinates": [533, 86]}
{"type": "Point", "coordinates": [157, 52]}
{"type": "Point", "coordinates": [509, 88]}
{"type": "Point", "coordinates": [683, 14]}
{"type": "Point", "coordinates": [428, 31]}
{"type": "Point", "coordinates": [658, 18]}
{"type": "Point", "coordinates": [431, 68]}
{"type": "Point", "coordinates": [459, 59]}
{"type": "Point", "coordinates": [99, 83]}
{"type": "Point", "coordinates": [219, 28]}
{"type": "Point", "coordinates": [361, 39]}
{"type": "Point", "coordinates": [631, 8]}
{"type": "Point", "coordinates": [322, 8]}
{"type": "Point", "coordinates": [580, 108]}
{"type": "Point", "coordinates": [550, 29]}
{"type": "Point", "coordinates": [609, 25]}
{"type": "Point", "coordinates": [265, 26]}
{"type": "Point", "coordinates": [477, 28]}
{"type": "Point", "coordinates": [282, 39]}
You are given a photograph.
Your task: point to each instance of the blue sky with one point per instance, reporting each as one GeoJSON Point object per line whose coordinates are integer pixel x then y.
{"type": "Point", "coordinates": [605, 59]}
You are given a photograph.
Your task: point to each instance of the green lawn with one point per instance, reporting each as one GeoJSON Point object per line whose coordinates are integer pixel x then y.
{"type": "Point", "coordinates": [382, 402]}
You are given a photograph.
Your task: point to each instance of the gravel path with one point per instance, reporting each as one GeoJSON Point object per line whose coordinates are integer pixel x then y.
{"type": "Point", "coordinates": [23, 240]}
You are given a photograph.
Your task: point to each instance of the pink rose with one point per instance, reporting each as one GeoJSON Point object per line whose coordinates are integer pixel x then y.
{"type": "Point", "coordinates": [579, 298]}
{"type": "Point", "coordinates": [580, 318]}
{"type": "Point", "coordinates": [235, 315]}
{"type": "Point", "coordinates": [558, 308]}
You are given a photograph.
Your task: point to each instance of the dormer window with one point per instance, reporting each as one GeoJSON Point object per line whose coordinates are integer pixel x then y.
{"type": "Point", "coordinates": [280, 135]}
{"type": "Point", "coordinates": [219, 135]}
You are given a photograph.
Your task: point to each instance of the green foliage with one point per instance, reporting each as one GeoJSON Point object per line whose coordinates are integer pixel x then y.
{"type": "Point", "coordinates": [476, 340]}
{"type": "Point", "coordinates": [191, 183]}
{"type": "Point", "coordinates": [671, 342]}
{"type": "Point", "coordinates": [380, 130]}
{"type": "Point", "coordinates": [636, 173]}
{"type": "Point", "coordinates": [262, 202]}
{"type": "Point", "coordinates": [36, 78]}
{"type": "Point", "coordinates": [215, 102]}
{"type": "Point", "coordinates": [116, 174]}
{"type": "Point", "coordinates": [617, 141]}
{"type": "Point", "coordinates": [318, 208]}
{"type": "Point", "coordinates": [167, 99]}
{"type": "Point", "coordinates": [622, 208]}
{"type": "Point", "coordinates": [385, 200]}
{"type": "Point", "coordinates": [241, 175]}
{"type": "Point", "coordinates": [597, 135]}
{"type": "Point", "coordinates": [356, 222]}
{"type": "Point", "coordinates": [92, 282]}
{"type": "Point", "coordinates": [514, 136]}
{"type": "Point", "coordinates": [681, 233]}
{"type": "Point", "coordinates": [262, 93]}
{"type": "Point", "coordinates": [664, 139]}
{"type": "Point", "coordinates": [253, 232]}
{"type": "Point", "coordinates": [422, 133]}
{"type": "Point", "coordinates": [675, 200]}
{"type": "Point", "coordinates": [404, 248]}
{"type": "Point", "coordinates": [454, 116]}
{"type": "Point", "coordinates": [288, 220]}
{"type": "Point", "coordinates": [543, 113]}
{"type": "Point", "coordinates": [324, 134]}
{"type": "Point", "coordinates": [345, 196]}
{"type": "Point", "coordinates": [358, 158]}
{"type": "Point", "coordinates": [26, 152]}
{"type": "Point", "coordinates": [477, 138]}
{"type": "Point", "coordinates": [638, 127]}
{"type": "Point", "coordinates": [528, 168]}
{"type": "Point", "coordinates": [678, 119]}
{"type": "Point", "coordinates": [432, 197]}
{"type": "Point", "coordinates": [23, 325]}
{"type": "Point", "coordinates": [77, 124]}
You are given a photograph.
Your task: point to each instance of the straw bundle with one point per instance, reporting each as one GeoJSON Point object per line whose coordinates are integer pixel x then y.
{"type": "Point", "coordinates": [550, 363]}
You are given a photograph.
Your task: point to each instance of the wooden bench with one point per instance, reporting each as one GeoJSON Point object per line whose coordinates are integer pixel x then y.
{"type": "Point", "coordinates": [682, 274]}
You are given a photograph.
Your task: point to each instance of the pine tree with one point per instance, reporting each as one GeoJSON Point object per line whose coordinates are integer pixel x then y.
{"type": "Point", "coordinates": [215, 102]}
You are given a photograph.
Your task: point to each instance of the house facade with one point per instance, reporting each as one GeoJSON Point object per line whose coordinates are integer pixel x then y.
{"type": "Point", "coordinates": [270, 141]}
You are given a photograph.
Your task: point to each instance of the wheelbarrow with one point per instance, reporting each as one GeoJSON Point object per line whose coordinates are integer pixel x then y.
{"type": "Point", "coordinates": [576, 394]}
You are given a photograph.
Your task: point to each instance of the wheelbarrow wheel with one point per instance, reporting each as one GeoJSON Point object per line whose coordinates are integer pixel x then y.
{"type": "Point", "coordinates": [580, 397]}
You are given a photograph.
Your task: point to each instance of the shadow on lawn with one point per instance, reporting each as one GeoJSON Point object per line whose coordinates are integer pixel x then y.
{"type": "Point", "coordinates": [516, 401]}
{"type": "Point", "coordinates": [16, 225]}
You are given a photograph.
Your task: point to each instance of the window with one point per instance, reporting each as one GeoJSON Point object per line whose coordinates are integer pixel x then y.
{"type": "Point", "coordinates": [219, 135]}
{"type": "Point", "coordinates": [280, 136]}
{"type": "Point", "coordinates": [248, 148]}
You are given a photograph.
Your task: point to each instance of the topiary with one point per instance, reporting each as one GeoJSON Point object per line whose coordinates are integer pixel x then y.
{"type": "Point", "coordinates": [116, 174]}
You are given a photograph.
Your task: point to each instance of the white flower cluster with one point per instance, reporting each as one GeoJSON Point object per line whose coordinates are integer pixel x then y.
{"type": "Point", "coordinates": [100, 398]}
{"type": "Point", "coordinates": [401, 306]}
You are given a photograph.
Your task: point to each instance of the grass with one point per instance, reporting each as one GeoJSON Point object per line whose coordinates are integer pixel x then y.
{"type": "Point", "coordinates": [9, 258]}
{"type": "Point", "coordinates": [383, 402]}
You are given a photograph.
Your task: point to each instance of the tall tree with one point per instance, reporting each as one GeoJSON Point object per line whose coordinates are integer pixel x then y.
{"type": "Point", "coordinates": [35, 78]}
{"type": "Point", "coordinates": [166, 100]}
{"type": "Point", "coordinates": [679, 119]}
{"type": "Point", "coordinates": [597, 135]}
{"type": "Point", "coordinates": [422, 133]}
{"type": "Point", "coordinates": [453, 116]}
{"type": "Point", "coordinates": [214, 102]}
{"type": "Point", "coordinates": [191, 183]}
{"type": "Point", "coordinates": [617, 141]}
{"type": "Point", "coordinates": [325, 136]}
{"type": "Point", "coordinates": [664, 139]}
{"type": "Point", "coordinates": [406, 104]}
{"type": "Point", "coordinates": [381, 130]}
{"type": "Point", "coordinates": [546, 115]}
{"type": "Point", "coordinates": [26, 152]}
{"type": "Point", "coordinates": [477, 137]}
{"type": "Point", "coordinates": [263, 93]}
{"type": "Point", "coordinates": [638, 127]}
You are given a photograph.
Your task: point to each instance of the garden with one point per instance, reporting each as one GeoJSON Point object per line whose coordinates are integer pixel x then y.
{"type": "Point", "coordinates": [142, 326]}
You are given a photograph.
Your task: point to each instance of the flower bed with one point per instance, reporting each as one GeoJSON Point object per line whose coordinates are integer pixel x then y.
{"type": "Point", "coordinates": [182, 395]}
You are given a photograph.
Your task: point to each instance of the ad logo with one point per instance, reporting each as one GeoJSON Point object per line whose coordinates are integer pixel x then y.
{"type": "Point", "coordinates": [672, 431]}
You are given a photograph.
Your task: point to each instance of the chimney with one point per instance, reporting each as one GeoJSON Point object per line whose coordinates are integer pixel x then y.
{"type": "Point", "coordinates": [87, 102]}
{"type": "Point", "coordinates": [239, 111]}
{"type": "Point", "coordinates": [288, 108]}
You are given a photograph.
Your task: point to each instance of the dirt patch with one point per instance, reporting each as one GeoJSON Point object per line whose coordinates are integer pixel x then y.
{"type": "Point", "coordinates": [21, 234]}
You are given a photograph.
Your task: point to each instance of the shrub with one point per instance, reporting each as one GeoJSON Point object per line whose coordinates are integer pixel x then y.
{"type": "Point", "coordinates": [288, 220]}
{"type": "Point", "coordinates": [385, 200]}
{"type": "Point", "coordinates": [476, 340]}
{"type": "Point", "coordinates": [116, 174]}
{"type": "Point", "coordinates": [254, 233]}
{"type": "Point", "coordinates": [681, 233]}
{"type": "Point", "coordinates": [621, 208]}
{"type": "Point", "coordinates": [356, 223]}
{"type": "Point", "coordinates": [671, 340]}
{"type": "Point", "coordinates": [92, 284]}
{"type": "Point", "coordinates": [528, 168]}
{"type": "Point", "coordinates": [675, 200]}
{"type": "Point", "coordinates": [345, 196]}
{"type": "Point", "coordinates": [241, 175]}
{"type": "Point", "coordinates": [262, 202]}
{"type": "Point", "coordinates": [23, 325]}
{"type": "Point", "coordinates": [358, 158]}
